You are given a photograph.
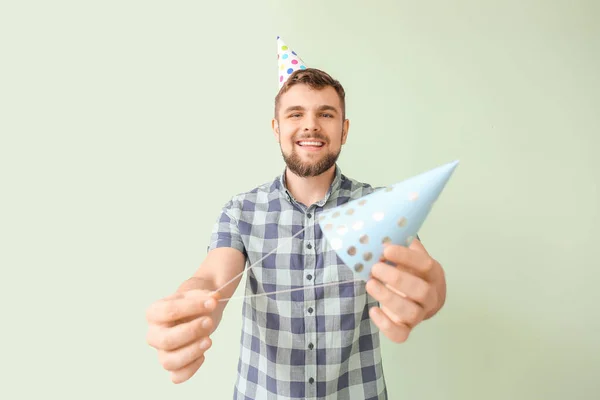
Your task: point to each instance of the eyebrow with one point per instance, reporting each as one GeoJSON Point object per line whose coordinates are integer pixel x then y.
{"type": "Point", "coordinates": [324, 107]}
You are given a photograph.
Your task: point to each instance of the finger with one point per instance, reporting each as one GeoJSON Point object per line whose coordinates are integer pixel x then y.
{"type": "Point", "coordinates": [417, 246]}
{"type": "Point", "coordinates": [183, 356]}
{"type": "Point", "coordinates": [186, 372]}
{"type": "Point", "coordinates": [417, 261]}
{"type": "Point", "coordinates": [171, 338]}
{"type": "Point", "coordinates": [403, 283]}
{"type": "Point", "coordinates": [396, 333]}
{"type": "Point", "coordinates": [401, 310]}
{"type": "Point", "coordinates": [174, 296]}
{"type": "Point", "coordinates": [395, 318]}
{"type": "Point", "coordinates": [192, 303]}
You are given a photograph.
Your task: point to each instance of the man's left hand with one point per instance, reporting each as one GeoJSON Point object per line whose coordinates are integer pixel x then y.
{"type": "Point", "coordinates": [409, 291]}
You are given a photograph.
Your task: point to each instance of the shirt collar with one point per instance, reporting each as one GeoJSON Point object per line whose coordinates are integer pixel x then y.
{"type": "Point", "coordinates": [333, 188]}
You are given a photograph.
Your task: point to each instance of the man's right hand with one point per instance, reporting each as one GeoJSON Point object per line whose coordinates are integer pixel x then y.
{"type": "Point", "coordinates": [179, 327]}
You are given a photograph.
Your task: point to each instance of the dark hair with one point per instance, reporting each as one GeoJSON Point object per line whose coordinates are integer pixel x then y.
{"type": "Point", "coordinates": [316, 79]}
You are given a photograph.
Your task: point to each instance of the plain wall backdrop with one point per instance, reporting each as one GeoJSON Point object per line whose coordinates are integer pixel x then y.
{"type": "Point", "coordinates": [126, 125]}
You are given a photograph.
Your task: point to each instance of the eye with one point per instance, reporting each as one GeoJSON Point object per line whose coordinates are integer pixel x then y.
{"type": "Point", "coordinates": [326, 115]}
{"type": "Point", "coordinates": [297, 115]}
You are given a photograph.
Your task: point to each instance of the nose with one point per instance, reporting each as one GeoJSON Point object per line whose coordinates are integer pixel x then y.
{"type": "Point", "coordinates": [311, 124]}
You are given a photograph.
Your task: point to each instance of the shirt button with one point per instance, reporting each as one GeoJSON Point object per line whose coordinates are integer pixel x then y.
{"type": "Point", "coordinates": [311, 381]}
{"type": "Point", "coordinates": [309, 246]}
{"type": "Point", "coordinates": [309, 215]}
{"type": "Point", "coordinates": [311, 346]}
{"type": "Point", "coordinates": [310, 310]}
{"type": "Point", "coordinates": [309, 277]}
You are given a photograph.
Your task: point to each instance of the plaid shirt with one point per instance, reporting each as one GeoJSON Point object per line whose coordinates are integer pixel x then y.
{"type": "Point", "coordinates": [315, 343]}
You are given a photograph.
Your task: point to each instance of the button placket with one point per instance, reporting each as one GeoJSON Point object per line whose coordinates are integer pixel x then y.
{"type": "Point", "coordinates": [309, 305]}
{"type": "Point", "coordinates": [310, 223]}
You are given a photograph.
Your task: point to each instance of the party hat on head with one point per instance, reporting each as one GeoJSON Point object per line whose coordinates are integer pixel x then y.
{"type": "Point", "coordinates": [287, 60]}
{"type": "Point", "coordinates": [357, 230]}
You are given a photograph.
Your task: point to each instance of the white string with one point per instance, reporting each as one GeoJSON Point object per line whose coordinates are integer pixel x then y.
{"type": "Point", "coordinates": [278, 291]}
{"type": "Point", "coordinates": [292, 290]}
{"type": "Point", "coordinates": [253, 265]}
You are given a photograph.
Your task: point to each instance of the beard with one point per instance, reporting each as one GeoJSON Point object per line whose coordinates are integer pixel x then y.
{"type": "Point", "coordinates": [310, 168]}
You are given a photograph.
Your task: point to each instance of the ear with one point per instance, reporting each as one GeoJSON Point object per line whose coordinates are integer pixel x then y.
{"type": "Point", "coordinates": [345, 129]}
{"type": "Point", "coordinates": [275, 128]}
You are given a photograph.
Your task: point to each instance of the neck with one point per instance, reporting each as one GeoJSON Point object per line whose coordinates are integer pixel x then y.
{"type": "Point", "coordinates": [311, 189]}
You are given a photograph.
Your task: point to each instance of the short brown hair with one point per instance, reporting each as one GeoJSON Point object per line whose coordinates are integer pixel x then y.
{"type": "Point", "coordinates": [316, 79]}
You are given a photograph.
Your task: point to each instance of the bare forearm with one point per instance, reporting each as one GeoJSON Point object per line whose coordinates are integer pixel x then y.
{"type": "Point", "coordinates": [219, 275]}
{"type": "Point", "coordinates": [197, 283]}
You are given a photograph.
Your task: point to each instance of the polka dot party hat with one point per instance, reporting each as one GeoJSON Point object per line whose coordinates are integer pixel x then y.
{"type": "Point", "coordinates": [287, 61]}
{"type": "Point", "coordinates": [358, 229]}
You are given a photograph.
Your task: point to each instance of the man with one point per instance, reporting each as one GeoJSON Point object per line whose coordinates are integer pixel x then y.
{"type": "Point", "coordinates": [319, 342]}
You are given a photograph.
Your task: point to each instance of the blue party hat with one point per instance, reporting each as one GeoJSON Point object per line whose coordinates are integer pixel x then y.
{"type": "Point", "coordinates": [358, 229]}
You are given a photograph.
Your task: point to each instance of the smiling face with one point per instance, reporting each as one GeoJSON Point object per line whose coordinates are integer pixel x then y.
{"type": "Point", "coordinates": [310, 128]}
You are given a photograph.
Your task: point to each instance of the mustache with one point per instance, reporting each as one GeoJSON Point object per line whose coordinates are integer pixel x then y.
{"type": "Point", "coordinates": [318, 136]}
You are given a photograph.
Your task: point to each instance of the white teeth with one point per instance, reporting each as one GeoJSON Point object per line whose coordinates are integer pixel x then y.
{"type": "Point", "coordinates": [319, 144]}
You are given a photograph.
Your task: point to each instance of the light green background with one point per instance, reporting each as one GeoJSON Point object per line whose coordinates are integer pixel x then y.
{"type": "Point", "coordinates": [125, 125]}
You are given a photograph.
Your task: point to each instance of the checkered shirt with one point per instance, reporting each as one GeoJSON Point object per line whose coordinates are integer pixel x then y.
{"type": "Point", "coordinates": [317, 343]}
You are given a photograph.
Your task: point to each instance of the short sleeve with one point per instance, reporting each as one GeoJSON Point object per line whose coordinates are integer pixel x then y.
{"type": "Point", "coordinates": [225, 231]}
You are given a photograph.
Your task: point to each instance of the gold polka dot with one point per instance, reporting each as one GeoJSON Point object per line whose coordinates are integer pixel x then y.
{"type": "Point", "coordinates": [367, 256]}
{"type": "Point", "coordinates": [358, 225]}
{"type": "Point", "coordinates": [386, 240]}
{"type": "Point", "coordinates": [414, 196]}
{"type": "Point", "coordinates": [378, 216]}
{"type": "Point", "coordinates": [342, 230]}
{"type": "Point", "coordinates": [389, 189]}
{"type": "Point", "coordinates": [409, 239]}
{"type": "Point", "coordinates": [402, 221]}
{"type": "Point", "coordinates": [351, 250]}
{"type": "Point", "coordinates": [350, 211]}
{"type": "Point", "coordinates": [364, 239]}
{"type": "Point", "coordinates": [336, 214]}
{"type": "Point", "coordinates": [362, 202]}
{"type": "Point", "coordinates": [328, 227]}
{"type": "Point", "coordinates": [358, 267]}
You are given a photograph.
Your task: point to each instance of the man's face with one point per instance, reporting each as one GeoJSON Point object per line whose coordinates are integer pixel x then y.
{"type": "Point", "coordinates": [310, 129]}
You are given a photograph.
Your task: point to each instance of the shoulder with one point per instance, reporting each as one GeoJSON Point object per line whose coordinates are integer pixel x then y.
{"type": "Point", "coordinates": [354, 188]}
{"type": "Point", "coordinates": [247, 200]}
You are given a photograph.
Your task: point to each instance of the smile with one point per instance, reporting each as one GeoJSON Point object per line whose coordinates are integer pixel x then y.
{"type": "Point", "coordinates": [310, 143]}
